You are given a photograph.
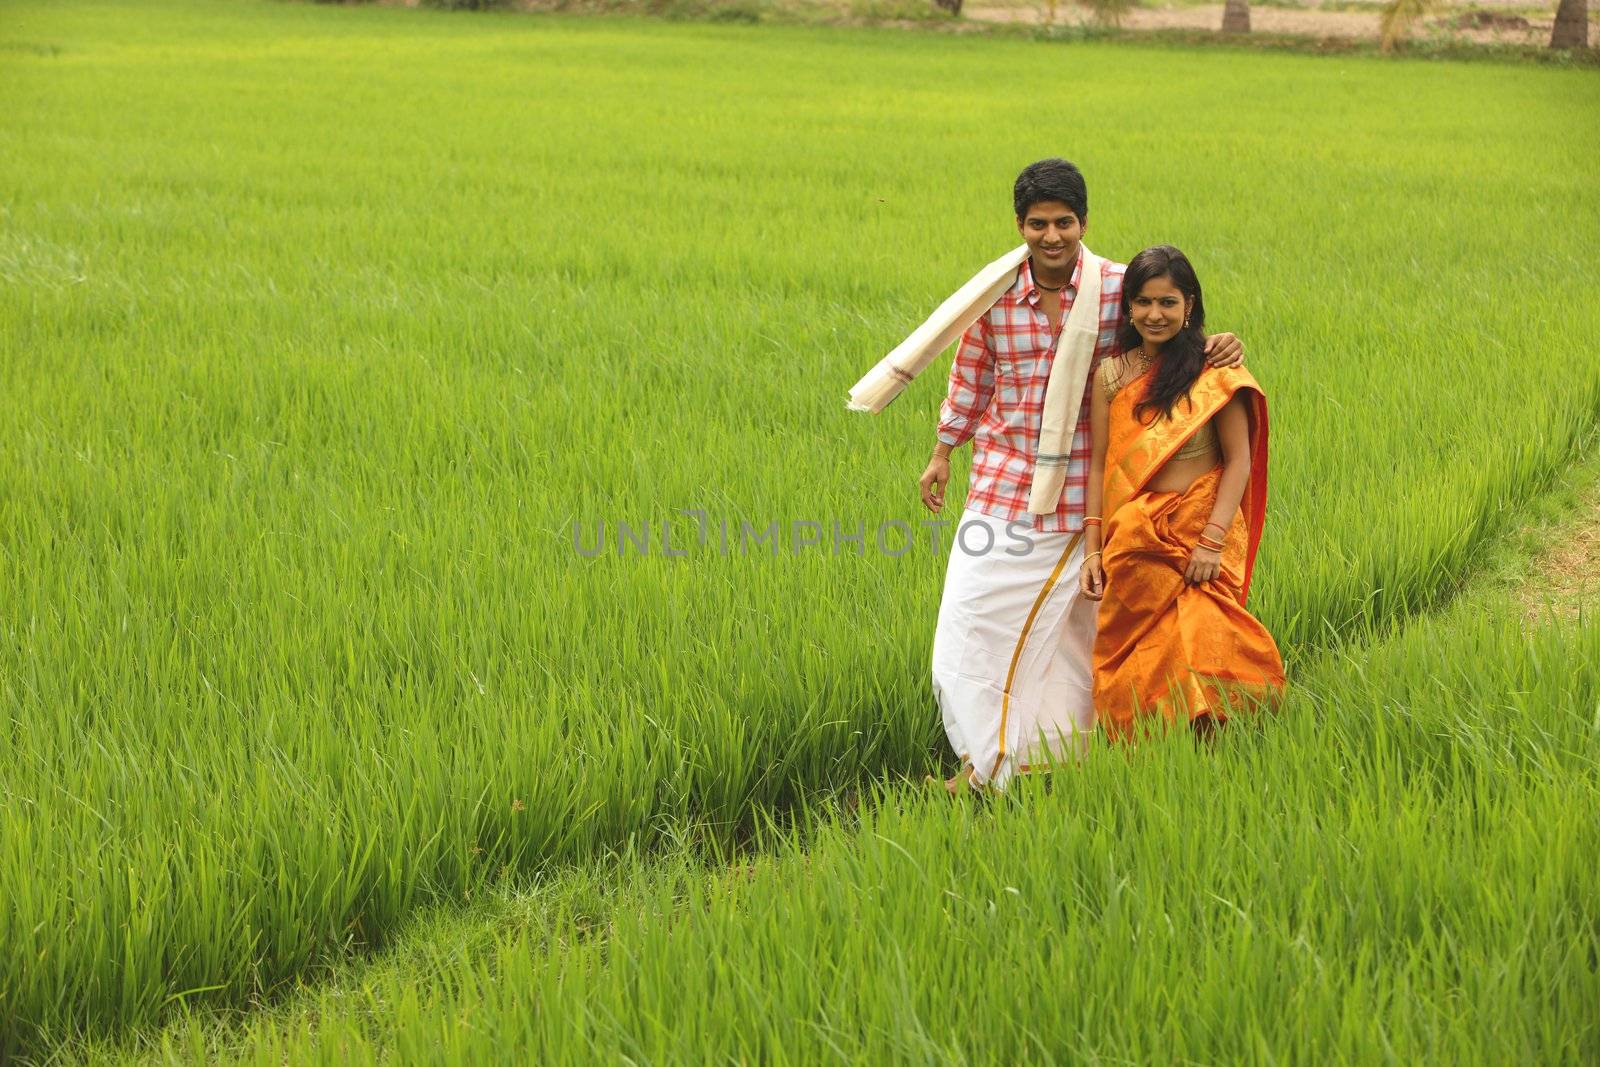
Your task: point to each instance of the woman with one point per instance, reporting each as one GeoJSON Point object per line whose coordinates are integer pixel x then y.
{"type": "Point", "coordinates": [1178, 471]}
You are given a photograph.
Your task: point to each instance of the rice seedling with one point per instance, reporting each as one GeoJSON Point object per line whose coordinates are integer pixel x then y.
{"type": "Point", "coordinates": [328, 330]}
{"type": "Point", "coordinates": [1399, 869]}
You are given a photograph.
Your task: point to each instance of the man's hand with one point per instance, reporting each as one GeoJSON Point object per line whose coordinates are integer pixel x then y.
{"type": "Point", "coordinates": [1224, 350]}
{"type": "Point", "coordinates": [933, 481]}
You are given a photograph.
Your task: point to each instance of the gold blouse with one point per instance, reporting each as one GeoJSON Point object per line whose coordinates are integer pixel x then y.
{"type": "Point", "coordinates": [1118, 371]}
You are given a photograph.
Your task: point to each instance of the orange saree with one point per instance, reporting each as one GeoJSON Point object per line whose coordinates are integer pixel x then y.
{"type": "Point", "coordinates": [1165, 647]}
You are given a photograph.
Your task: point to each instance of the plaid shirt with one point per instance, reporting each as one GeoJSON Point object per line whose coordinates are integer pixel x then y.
{"type": "Point", "coordinates": [996, 398]}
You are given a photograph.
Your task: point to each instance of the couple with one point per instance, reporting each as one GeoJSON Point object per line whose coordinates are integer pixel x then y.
{"type": "Point", "coordinates": [1128, 450]}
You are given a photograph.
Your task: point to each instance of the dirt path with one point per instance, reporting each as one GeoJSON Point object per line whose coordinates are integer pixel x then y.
{"type": "Point", "coordinates": [1530, 28]}
{"type": "Point", "coordinates": [1564, 579]}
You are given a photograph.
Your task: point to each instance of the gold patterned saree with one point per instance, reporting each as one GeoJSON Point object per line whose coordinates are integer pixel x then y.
{"type": "Point", "coordinates": [1164, 647]}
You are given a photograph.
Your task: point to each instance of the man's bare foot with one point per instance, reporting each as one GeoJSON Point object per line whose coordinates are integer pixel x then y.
{"type": "Point", "coordinates": [960, 782]}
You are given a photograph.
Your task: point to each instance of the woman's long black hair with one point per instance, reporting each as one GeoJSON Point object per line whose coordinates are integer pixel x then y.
{"type": "Point", "coordinates": [1184, 356]}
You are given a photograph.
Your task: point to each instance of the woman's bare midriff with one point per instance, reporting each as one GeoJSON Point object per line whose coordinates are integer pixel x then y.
{"type": "Point", "coordinates": [1177, 475]}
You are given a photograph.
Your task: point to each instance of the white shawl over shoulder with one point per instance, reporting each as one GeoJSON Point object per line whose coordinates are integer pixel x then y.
{"type": "Point", "coordinates": [1069, 373]}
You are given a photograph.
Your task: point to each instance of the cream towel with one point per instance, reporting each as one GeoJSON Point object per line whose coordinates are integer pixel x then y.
{"type": "Point", "coordinates": [1069, 374]}
{"type": "Point", "coordinates": [894, 372]}
{"type": "Point", "coordinates": [1063, 394]}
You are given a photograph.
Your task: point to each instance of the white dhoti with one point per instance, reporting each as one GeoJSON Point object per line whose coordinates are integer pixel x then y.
{"type": "Point", "coordinates": [1011, 655]}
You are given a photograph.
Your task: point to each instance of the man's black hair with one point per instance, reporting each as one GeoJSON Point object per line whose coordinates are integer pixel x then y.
{"type": "Point", "coordinates": [1051, 179]}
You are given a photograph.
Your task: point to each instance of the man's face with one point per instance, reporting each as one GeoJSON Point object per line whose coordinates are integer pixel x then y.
{"type": "Point", "coordinates": [1052, 230]}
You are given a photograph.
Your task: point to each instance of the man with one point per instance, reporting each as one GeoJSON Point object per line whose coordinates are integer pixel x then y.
{"type": "Point", "coordinates": [1011, 655]}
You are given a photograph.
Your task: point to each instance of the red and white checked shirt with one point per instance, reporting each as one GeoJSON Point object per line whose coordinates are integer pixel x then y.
{"type": "Point", "coordinates": [996, 398]}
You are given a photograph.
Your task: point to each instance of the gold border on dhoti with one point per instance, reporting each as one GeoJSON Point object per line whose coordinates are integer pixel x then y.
{"type": "Point", "coordinates": [1022, 640]}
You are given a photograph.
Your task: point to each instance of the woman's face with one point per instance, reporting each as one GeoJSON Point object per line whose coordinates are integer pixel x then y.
{"type": "Point", "coordinates": [1158, 310]}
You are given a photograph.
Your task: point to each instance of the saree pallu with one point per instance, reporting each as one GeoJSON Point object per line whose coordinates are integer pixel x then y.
{"type": "Point", "coordinates": [1164, 647]}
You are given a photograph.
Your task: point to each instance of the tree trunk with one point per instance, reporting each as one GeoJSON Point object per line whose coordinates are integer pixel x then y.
{"type": "Point", "coordinates": [1572, 25]}
{"type": "Point", "coordinates": [1236, 16]}
{"type": "Point", "coordinates": [952, 6]}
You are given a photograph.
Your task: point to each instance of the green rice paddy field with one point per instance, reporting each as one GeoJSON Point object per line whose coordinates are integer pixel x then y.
{"type": "Point", "coordinates": [322, 329]}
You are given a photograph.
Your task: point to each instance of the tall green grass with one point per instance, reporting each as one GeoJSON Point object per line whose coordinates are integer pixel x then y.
{"type": "Point", "coordinates": [1398, 869]}
{"type": "Point", "coordinates": [324, 326]}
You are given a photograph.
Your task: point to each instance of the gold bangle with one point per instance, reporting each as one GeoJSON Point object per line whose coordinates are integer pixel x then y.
{"type": "Point", "coordinates": [1092, 555]}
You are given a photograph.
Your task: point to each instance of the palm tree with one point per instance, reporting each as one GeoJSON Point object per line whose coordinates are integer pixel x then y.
{"type": "Point", "coordinates": [1236, 16]}
{"type": "Point", "coordinates": [1572, 25]}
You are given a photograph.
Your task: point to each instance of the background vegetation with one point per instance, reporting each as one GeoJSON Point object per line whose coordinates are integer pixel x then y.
{"type": "Point", "coordinates": [328, 324]}
{"type": "Point", "coordinates": [1398, 870]}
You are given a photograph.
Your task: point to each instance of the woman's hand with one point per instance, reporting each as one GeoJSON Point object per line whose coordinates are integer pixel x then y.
{"type": "Point", "coordinates": [1204, 565]}
{"type": "Point", "coordinates": [1092, 578]}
